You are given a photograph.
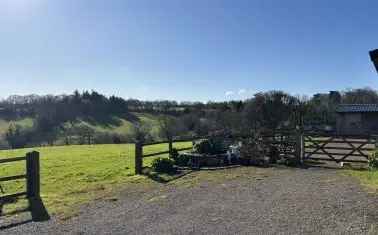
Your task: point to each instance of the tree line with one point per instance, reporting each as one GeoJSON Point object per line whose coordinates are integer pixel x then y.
{"type": "Point", "coordinates": [58, 117]}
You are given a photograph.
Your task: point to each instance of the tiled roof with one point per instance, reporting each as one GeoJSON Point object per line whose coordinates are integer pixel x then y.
{"type": "Point", "coordinates": [357, 108]}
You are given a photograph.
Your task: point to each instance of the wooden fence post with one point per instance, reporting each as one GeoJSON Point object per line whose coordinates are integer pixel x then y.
{"type": "Point", "coordinates": [299, 147]}
{"type": "Point", "coordinates": [138, 157]}
{"type": "Point", "coordinates": [33, 175]}
{"type": "Point", "coordinates": [303, 146]}
{"type": "Point", "coordinates": [170, 147]}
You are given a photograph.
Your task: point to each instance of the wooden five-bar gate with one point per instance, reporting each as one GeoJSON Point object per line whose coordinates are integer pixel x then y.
{"type": "Point", "coordinates": [336, 148]}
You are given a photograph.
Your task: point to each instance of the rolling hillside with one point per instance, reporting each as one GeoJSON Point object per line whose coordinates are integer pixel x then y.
{"type": "Point", "coordinates": [115, 125]}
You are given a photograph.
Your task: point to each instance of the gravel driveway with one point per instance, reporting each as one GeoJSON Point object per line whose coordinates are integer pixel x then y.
{"type": "Point", "coordinates": [243, 200]}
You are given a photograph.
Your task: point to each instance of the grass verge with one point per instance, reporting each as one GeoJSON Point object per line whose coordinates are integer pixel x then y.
{"type": "Point", "coordinates": [368, 179]}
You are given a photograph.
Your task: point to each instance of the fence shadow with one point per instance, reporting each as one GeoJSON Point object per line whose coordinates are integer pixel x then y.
{"type": "Point", "coordinates": [332, 165]}
{"type": "Point", "coordinates": [14, 224]}
{"type": "Point", "coordinates": [165, 177]}
{"type": "Point", "coordinates": [181, 172]}
{"type": "Point", "coordinates": [36, 209]}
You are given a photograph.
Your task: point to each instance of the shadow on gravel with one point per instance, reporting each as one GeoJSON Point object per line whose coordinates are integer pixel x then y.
{"type": "Point", "coordinates": [165, 177]}
{"type": "Point", "coordinates": [15, 224]}
{"type": "Point", "coordinates": [181, 172]}
{"type": "Point", "coordinates": [333, 165]}
{"type": "Point", "coordinates": [37, 211]}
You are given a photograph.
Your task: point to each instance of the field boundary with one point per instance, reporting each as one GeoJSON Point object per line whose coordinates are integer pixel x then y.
{"type": "Point", "coordinates": [139, 151]}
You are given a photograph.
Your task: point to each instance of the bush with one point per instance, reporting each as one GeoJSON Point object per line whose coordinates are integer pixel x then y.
{"type": "Point", "coordinates": [163, 165]}
{"type": "Point", "coordinates": [203, 146]}
{"type": "Point", "coordinates": [182, 160]}
{"type": "Point", "coordinates": [174, 154]}
{"type": "Point", "coordinates": [373, 161]}
{"type": "Point", "coordinates": [108, 138]}
{"type": "Point", "coordinates": [17, 136]}
{"type": "Point", "coordinates": [209, 146]}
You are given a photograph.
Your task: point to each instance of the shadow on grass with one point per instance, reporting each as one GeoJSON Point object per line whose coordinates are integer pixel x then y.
{"type": "Point", "coordinates": [108, 121]}
{"type": "Point", "coordinates": [165, 177]}
{"type": "Point", "coordinates": [37, 210]}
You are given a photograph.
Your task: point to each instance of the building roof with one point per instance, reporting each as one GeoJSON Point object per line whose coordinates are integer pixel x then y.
{"type": "Point", "coordinates": [374, 57]}
{"type": "Point", "coordinates": [357, 108]}
{"type": "Point", "coordinates": [373, 54]}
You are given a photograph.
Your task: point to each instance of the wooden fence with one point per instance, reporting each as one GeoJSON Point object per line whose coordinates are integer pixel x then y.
{"type": "Point", "coordinates": [139, 155]}
{"type": "Point", "coordinates": [299, 144]}
{"type": "Point", "coordinates": [32, 176]}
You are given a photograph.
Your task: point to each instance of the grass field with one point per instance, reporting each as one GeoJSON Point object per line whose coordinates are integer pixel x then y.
{"type": "Point", "coordinates": [120, 125]}
{"type": "Point", "coordinates": [367, 178]}
{"type": "Point", "coordinates": [73, 175]}
{"type": "Point", "coordinates": [4, 125]}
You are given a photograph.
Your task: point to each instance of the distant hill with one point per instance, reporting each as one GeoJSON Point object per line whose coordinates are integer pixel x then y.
{"type": "Point", "coordinates": [116, 126]}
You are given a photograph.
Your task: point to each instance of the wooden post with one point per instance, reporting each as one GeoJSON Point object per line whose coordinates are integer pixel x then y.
{"type": "Point", "coordinates": [32, 175]}
{"type": "Point", "coordinates": [303, 146]}
{"type": "Point", "coordinates": [170, 147]}
{"type": "Point", "coordinates": [298, 146]}
{"type": "Point", "coordinates": [138, 157]}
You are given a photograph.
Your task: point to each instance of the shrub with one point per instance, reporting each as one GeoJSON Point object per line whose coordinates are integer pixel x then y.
{"type": "Point", "coordinates": [203, 146]}
{"type": "Point", "coordinates": [163, 165]}
{"type": "Point", "coordinates": [373, 161]}
{"type": "Point", "coordinates": [210, 146]}
{"type": "Point", "coordinates": [17, 136]}
{"type": "Point", "coordinates": [174, 154]}
{"type": "Point", "coordinates": [293, 162]}
{"type": "Point", "coordinates": [182, 160]}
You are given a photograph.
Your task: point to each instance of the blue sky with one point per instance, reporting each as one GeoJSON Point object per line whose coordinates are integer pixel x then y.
{"type": "Point", "coordinates": [186, 50]}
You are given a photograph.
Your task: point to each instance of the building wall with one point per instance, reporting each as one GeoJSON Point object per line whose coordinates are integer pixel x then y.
{"type": "Point", "coordinates": [357, 123]}
{"type": "Point", "coordinates": [370, 122]}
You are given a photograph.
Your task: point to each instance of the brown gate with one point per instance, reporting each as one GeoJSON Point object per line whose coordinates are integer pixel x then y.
{"type": "Point", "coordinates": [338, 148]}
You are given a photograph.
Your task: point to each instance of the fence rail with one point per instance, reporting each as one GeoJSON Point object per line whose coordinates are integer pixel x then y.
{"type": "Point", "coordinates": [303, 145]}
{"type": "Point", "coordinates": [15, 159]}
{"type": "Point", "coordinates": [139, 155]}
{"type": "Point", "coordinates": [32, 176]}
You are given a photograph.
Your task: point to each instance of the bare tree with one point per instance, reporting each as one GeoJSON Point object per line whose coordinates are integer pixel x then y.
{"type": "Point", "coordinates": [141, 132]}
{"type": "Point", "coordinates": [169, 127]}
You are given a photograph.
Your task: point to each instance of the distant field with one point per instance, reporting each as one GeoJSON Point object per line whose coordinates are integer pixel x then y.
{"type": "Point", "coordinates": [4, 125]}
{"type": "Point", "coordinates": [73, 175]}
{"type": "Point", "coordinates": [118, 126]}
{"type": "Point", "coordinates": [125, 126]}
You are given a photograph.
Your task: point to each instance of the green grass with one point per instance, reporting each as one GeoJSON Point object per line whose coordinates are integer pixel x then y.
{"type": "Point", "coordinates": [367, 178]}
{"type": "Point", "coordinates": [73, 175]}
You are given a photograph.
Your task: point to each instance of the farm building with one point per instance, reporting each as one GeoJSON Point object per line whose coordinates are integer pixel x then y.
{"type": "Point", "coordinates": [357, 119]}
{"type": "Point", "coordinates": [374, 58]}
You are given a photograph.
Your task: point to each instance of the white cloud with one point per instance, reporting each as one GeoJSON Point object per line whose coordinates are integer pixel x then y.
{"type": "Point", "coordinates": [242, 91]}
{"type": "Point", "coordinates": [229, 93]}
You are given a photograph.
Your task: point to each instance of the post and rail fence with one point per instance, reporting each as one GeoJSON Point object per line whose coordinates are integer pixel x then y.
{"type": "Point", "coordinates": [32, 176]}
{"type": "Point", "coordinates": [139, 153]}
{"type": "Point", "coordinates": [303, 145]}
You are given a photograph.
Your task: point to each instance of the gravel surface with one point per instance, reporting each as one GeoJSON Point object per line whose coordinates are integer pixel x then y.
{"type": "Point", "coordinates": [243, 200]}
